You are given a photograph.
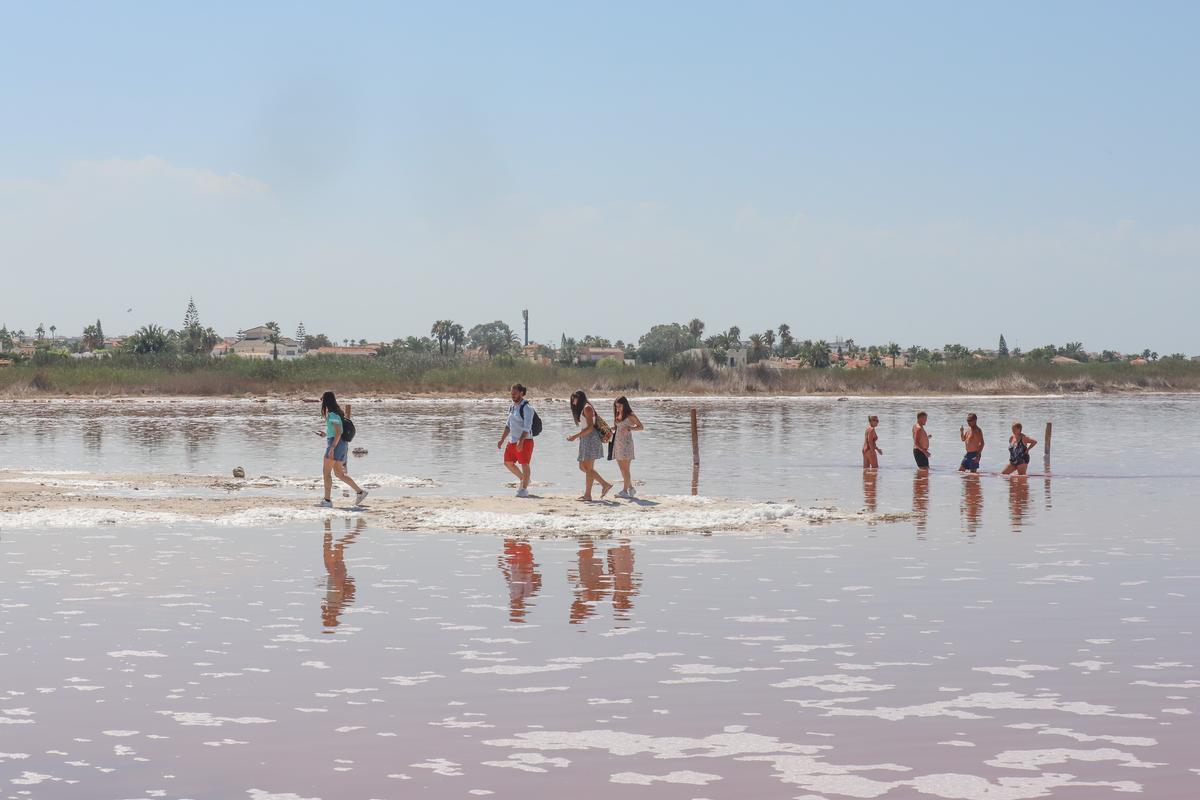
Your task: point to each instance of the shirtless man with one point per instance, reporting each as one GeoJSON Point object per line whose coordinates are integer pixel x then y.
{"type": "Point", "coordinates": [871, 450]}
{"type": "Point", "coordinates": [973, 436]}
{"type": "Point", "coordinates": [921, 441]}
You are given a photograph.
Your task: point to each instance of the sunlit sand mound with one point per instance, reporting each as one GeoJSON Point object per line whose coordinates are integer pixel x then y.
{"type": "Point", "coordinates": [35, 500]}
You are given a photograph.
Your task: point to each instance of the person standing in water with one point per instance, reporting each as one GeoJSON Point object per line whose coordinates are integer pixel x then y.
{"type": "Point", "coordinates": [921, 441]}
{"type": "Point", "coordinates": [590, 444]}
{"type": "Point", "coordinates": [871, 450]}
{"type": "Point", "coordinates": [625, 422]}
{"type": "Point", "coordinates": [335, 451]}
{"type": "Point", "coordinates": [972, 435]}
{"type": "Point", "coordinates": [518, 431]}
{"type": "Point", "coordinates": [1019, 446]}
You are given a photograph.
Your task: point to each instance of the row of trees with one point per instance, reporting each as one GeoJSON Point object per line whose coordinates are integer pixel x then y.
{"type": "Point", "coordinates": [661, 343]}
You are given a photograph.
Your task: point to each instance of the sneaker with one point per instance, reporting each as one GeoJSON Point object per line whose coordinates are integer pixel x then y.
{"type": "Point", "coordinates": [522, 493]}
{"type": "Point", "coordinates": [623, 494]}
{"type": "Point", "coordinates": [326, 504]}
{"type": "Point", "coordinates": [358, 499]}
{"type": "Point", "coordinates": [632, 493]}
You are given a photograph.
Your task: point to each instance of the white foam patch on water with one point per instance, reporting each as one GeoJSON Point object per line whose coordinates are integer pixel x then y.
{"type": "Point", "coordinates": [273, 515]}
{"type": "Point", "coordinates": [529, 762]}
{"type": "Point", "coordinates": [86, 518]}
{"type": "Point", "coordinates": [734, 741]}
{"type": "Point", "coordinates": [680, 776]}
{"type": "Point", "coordinates": [205, 719]}
{"type": "Point", "coordinates": [633, 519]}
{"type": "Point", "coordinates": [136, 654]}
{"type": "Point", "coordinates": [1023, 671]}
{"type": "Point", "coordinates": [384, 479]}
{"type": "Point", "coordinates": [835, 683]}
{"type": "Point", "coordinates": [517, 669]}
{"type": "Point", "coordinates": [1034, 760]}
{"type": "Point", "coordinates": [536, 689]}
{"type": "Point", "coordinates": [259, 794]}
{"type": "Point", "coordinates": [960, 707]}
{"type": "Point", "coordinates": [1124, 741]}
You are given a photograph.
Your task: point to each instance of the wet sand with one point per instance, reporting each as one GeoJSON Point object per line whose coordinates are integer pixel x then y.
{"type": "Point", "coordinates": [31, 499]}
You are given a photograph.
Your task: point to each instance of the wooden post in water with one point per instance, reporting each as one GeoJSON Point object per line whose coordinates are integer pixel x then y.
{"type": "Point", "coordinates": [695, 455]}
{"type": "Point", "coordinates": [1049, 430]}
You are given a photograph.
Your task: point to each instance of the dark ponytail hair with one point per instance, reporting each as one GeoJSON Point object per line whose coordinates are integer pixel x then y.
{"type": "Point", "coordinates": [579, 402]}
{"type": "Point", "coordinates": [330, 403]}
{"type": "Point", "coordinates": [621, 408]}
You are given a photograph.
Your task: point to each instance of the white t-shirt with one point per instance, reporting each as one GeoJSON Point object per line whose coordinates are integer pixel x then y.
{"type": "Point", "coordinates": [518, 424]}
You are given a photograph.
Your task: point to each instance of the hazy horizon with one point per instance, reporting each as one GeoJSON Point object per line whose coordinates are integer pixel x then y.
{"type": "Point", "coordinates": [925, 174]}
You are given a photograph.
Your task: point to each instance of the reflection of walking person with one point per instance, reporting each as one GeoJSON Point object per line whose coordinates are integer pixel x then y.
{"type": "Point", "coordinates": [520, 572]}
{"type": "Point", "coordinates": [625, 422]}
{"type": "Point", "coordinates": [590, 444]}
{"type": "Point", "coordinates": [339, 586]}
{"type": "Point", "coordinates": [519, 432]}
{"type": "Point", "coordinates": [334, 462]}
{"type": "Point", "coordinates": [871, 450]}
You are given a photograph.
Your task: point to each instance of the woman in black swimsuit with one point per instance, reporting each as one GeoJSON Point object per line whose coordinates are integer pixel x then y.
{"type": "Point", "coordinates": [1019, 446]}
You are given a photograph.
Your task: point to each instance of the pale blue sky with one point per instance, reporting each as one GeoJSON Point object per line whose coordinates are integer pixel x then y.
{"type": "Point", "coordinates": [922, 172]}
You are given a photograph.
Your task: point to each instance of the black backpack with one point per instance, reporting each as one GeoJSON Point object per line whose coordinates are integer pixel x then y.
{"type": "Point", "coordinates": [348, 430]}
{"type": "Point", "coordinates": [536, 427]}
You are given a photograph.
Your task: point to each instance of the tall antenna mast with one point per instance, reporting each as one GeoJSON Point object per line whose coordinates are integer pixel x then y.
{"type": "Point", "coordinates": [525, 314]}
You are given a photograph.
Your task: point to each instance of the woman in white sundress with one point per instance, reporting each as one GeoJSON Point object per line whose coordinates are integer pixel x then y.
{"type": "Point", "coordinates": [590, 445]}
{"type": "Point", "coordinates": [625, 422]}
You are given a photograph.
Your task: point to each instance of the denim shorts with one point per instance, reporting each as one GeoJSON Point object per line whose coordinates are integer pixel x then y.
{"type": "Point", "coordinates": [339, 453]}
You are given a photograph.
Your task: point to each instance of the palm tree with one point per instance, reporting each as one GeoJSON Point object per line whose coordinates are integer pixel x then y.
{"type": "Point", "coordinates": [757, 345]}
{"type": "Point", "coordinates": [893, 350]}
{"type": "Point", "coordinates": [819, 354]}
{"type": "Point", "coordinates": [735, 335]}
{"type": "Point", "coordinates": [274, 339]}
{"type": "Point", "coordinates": [40, 331]}
{"type": "Point", "coordinates": [769, 337]}
{"type": "Point", "coordinates": [696, 328]}
{"type": "Point", "coordinates": [785, 338]}
{"type": "Point", "coordinates": [457, 336]}
{"type": "Point", "coordinates": [53, 328]}
{"type": "Point", "coordinates": [441, 332]}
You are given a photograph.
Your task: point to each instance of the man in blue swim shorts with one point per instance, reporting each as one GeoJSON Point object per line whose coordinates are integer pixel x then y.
{"type": "Point", "coordinates": [972, 435]}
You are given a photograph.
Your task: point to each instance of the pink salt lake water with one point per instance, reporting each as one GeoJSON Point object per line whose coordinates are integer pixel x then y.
{"type": "Point", "coordinates": [1016, 639]}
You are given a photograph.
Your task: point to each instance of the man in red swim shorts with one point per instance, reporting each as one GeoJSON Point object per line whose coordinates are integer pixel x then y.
{"type": "Point", "coordinates": [519, 433]}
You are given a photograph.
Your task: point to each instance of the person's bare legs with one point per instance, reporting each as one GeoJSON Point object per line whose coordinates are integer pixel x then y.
{"type": "Point", "coordinates": [588, 478]}
{"type": "Point", "coordinates": [596, 476]}
{"type": "Point", "coordinates": [515, 470]}
{"type": "Point", "coordinates": [526, 475]}
{"type": "Point", "coordinates": [1009, 469]}
{"type": "Point", "coordinates": [339, 469]}
{"type": "Point", "coordinates": [1022, 468]}
{"type": "Point", "coordinates": [625, 479]}
{"type": "Point", "coordinates": [327, 474]}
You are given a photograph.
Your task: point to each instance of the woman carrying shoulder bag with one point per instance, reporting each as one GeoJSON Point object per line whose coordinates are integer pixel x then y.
{"type": "Point", "coordinates": [592, 434]}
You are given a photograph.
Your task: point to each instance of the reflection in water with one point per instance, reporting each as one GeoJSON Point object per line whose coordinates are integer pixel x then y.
{"type": "Point", "coordinates": [592, 584]}
{"type": "Point", "coordinates": [920, 501]}
{"type": "Point", "coordinates": [972, 502]}
{"type": "Point", "coordinates": [870, 490]}
{"type": "Point", "coordinates": [626, 582]}
{"type": "Point", "coordinates": [339, 586]}
{"type": "Point", "coordinates": [1018, 500]}
{"type": "Point", "coordinates": [520, 572]}
{"type": "Point", "coordinates": [93, 434]}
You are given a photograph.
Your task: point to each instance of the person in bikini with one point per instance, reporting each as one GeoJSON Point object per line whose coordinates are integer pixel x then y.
{"type": "Point", "coordinates": [921, 441]}
{"type": "Point", "coordinates": [972, 435]}
{"type": "Point", "coordinates": [871, 449]}
{"type": "Point", "coordinates": [1019, 446]}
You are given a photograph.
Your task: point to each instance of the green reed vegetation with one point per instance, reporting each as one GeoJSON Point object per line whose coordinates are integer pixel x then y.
{"type": "Point", "coordinates": [126, 374]}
